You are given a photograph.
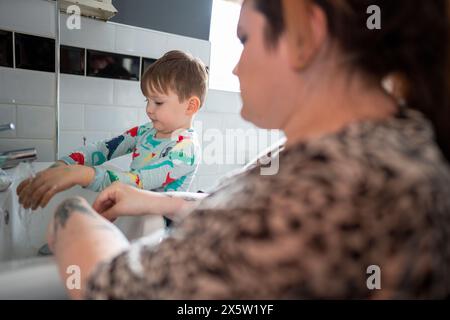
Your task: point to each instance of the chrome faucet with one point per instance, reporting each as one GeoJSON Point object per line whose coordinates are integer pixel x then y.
{"type": "Point", "coordinates": [7, 126]}
{"type": "Point", "coordinates": [11, 159]}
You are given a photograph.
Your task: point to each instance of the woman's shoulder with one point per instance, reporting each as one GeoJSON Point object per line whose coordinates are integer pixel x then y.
{"type": "Point", "coordinates": [397, 156]}
{"type": "Point", "coordinates": [404, 142]}
{"type": "Point", "coordinates": [384, 156]}
{"type": "Point", "coordinates": [365, 160]}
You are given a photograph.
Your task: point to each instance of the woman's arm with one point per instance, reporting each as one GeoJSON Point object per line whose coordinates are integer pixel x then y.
{"type": "Point", "coordinates": [120, 199]}
{"type": "Point", "coordinates": [81, 239]}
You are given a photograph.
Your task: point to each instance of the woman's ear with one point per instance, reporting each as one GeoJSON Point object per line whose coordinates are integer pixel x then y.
{"type": "Point", "coordinates": [193, 106]}
{"type": "Point", "coordinates": [306, 28]}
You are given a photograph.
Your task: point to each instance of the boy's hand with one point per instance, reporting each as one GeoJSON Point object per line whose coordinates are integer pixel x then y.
{"type": "Point", "coordinates": [37, 192]}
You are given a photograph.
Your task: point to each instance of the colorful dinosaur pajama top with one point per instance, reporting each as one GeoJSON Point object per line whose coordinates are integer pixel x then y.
{"type": "Point", "coordinates": [166, 164]}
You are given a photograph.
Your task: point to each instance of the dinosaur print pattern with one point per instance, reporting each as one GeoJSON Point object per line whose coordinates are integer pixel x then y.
{"type": "Point", "coordinates": [112, 145]}
{"type": "Point", "coordinates": [157, 164]}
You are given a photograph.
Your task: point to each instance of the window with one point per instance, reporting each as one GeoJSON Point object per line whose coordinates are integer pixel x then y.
{"type": "Point", "coordinates": [112, 65]}
{"type": "Point", "coordinates": [35, 53]}
{"type": "Point", "coordinates": [72, 60]}
{"type": "Point", "coordinates": [6, 50]}
{"type": "Point", "coordinates": [146, 62]}
{"type": "Point", "coordinates": [225, 46]}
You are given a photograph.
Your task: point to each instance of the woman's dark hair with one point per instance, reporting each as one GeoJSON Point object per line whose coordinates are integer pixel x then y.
{"type": "Point", "coordinates": [414, 41]}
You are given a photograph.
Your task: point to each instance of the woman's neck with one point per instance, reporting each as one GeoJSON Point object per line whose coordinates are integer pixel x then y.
{"type": "Point", "coordinates": [334, 105]}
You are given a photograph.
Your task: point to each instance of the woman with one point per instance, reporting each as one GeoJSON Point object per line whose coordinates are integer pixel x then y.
{"type": "Point", "coordinates": [362, 184]}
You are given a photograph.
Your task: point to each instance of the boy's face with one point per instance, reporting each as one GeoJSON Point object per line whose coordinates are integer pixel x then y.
{"type": "Point", "coordinates": [166, 112]}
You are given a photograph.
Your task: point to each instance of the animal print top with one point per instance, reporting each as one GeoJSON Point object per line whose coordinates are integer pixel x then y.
{"type": "Point", "coordinates": [362, 213]}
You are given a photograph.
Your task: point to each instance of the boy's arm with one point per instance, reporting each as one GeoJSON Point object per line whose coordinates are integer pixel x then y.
{"type": "Point", "coordinates": [97, 153]}
{"type": "Point", "coordinates": [169, 173]}
{"type": "Point", "coordinates": [38, 191]}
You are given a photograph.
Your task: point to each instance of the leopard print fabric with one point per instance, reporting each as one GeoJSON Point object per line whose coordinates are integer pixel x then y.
{"type": "Point", "coordinates": [375, 193]}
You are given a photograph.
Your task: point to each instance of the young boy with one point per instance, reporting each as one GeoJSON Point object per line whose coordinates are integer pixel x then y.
{"type": "Point", "coordinates": [165, 150]}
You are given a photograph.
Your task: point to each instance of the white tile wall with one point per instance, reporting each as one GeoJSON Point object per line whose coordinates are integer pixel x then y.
{"type": "Point", "coordinates": [128, 93]}
{"type": "Point", "coordinates": [69, 141]}
{"type": "Point", "coordinates": [98, 118]}
{"type": "Point", "coordinates": [223, 102]}
{"type": "Point", "coordinates": [28, 99]}
{"type": "Point", "coordinates": [140, 42]}
{"type": "Point", "coordinates": [35, 122]}
{"type": "Point", "coordinates": [27, 87]}
{"type": "Point", "coordinates": [216, 128]}
{"type": "Point", "coordinates": [34, 17]}
{"type": "Point", "coordinates": [82, 90]}
{"type": "Point", "coordinates": [234, 121]}
{"type": "Point", "coordinates": [205, 120]}
{"type": "Point", "coordinates": [196, 47]}
{"type": "Point", "coordinates": [7, 115]}
{"type": "Point", "coordinates": [142, 115]}
{"type": "Point", "coordinates": [72, 140]}
{"type": "Point", "coordinates": [71, 116]}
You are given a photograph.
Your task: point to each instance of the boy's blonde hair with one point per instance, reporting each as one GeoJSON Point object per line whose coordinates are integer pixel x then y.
{"type": "Point", "coordinates": [178, 71]}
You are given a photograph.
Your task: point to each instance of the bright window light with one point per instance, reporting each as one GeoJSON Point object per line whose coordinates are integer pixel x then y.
{"type": "Point", "coordinates": [225, 46]}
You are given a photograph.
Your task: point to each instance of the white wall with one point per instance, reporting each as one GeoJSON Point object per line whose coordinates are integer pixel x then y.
{"type": "Point", "coordinates": [95, 108]}
{"type": "Point", "coordinates": [27, 98]}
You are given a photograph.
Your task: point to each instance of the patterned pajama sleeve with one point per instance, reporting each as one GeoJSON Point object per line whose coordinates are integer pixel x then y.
{"type": "Point", "coordinates": [99, 152]}
{"type": "Point", "coordinates": [169, 173]}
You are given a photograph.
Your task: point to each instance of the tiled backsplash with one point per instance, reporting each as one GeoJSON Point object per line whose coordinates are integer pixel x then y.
{"type": "Point", "coordinates": [93, 108]}
{"type": "Point", "coordinates": [27, 98]}
{"type": "Point", "coordinates": [120, 106]}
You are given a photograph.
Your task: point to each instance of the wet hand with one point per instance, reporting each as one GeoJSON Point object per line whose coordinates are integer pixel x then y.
{"type": "Point", "coordinates": [38, 191]}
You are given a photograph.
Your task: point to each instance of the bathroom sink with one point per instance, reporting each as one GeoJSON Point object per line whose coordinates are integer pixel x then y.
{"type": "Point", "coordinates": [23, 232]}
{"type": "Point", "coordinates": [24, 274]}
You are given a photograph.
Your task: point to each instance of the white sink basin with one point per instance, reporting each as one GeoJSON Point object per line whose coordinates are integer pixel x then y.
{"type": "Point", "coordinates": [22, 237]}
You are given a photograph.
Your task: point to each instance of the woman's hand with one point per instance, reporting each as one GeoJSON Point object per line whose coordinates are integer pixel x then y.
{"type": "Point", "coordinates": [123, 200]}
{"type": "Point", "coordinates": [120, 199]}
{"type": "Point", "coordinates": [37, 192]}
{"type": "Point", "coordinates": [78, 236]}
